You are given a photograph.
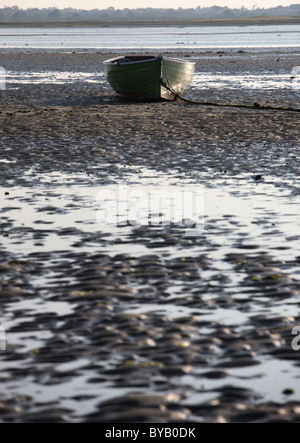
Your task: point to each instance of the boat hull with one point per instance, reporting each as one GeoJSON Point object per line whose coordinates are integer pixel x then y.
{"type": "Point", "coordinates": [177, 75]}
{"type": "Point", "coordinates": [149, 78]}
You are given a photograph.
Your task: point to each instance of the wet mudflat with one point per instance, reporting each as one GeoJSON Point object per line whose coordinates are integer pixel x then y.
{"type": "Point", "coordinates": [147, 323]}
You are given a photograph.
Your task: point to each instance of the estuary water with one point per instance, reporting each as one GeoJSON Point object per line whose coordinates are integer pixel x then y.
{"type": "Point", "coordinates": [173, 38]}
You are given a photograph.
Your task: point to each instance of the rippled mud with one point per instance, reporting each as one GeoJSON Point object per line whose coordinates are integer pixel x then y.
{"type": "Point", "coordinates": [146, 322]}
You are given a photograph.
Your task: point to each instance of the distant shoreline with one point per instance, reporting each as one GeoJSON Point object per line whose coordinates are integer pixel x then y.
{"type": "Point", "coordinates": [247, 21]}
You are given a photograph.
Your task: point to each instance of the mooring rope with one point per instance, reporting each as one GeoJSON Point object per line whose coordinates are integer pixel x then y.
{"type": "Point", "coordinates": [256, 106]}
{"type": "Point", "coordinates": [237, 105]}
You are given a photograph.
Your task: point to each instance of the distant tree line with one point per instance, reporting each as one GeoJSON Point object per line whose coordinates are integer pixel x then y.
{"type": "Point", "coordinates": [147, 14]}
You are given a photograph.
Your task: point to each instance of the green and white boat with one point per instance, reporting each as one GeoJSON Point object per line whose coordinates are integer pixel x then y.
{"type": "Point", "coordinates": [149, 78]}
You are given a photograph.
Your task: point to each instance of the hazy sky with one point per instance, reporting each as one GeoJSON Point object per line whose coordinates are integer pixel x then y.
{"type": "Point", "coordinates": [121, 4]}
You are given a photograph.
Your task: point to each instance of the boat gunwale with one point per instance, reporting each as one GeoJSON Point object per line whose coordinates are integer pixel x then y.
{"type": "Point", "coordinates": [178, 60]}
{"type": "Point", "coordinates": [112, 61]}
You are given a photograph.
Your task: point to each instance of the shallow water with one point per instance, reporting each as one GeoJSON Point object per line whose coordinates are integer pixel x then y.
{"type": "Point", "coordinates": [153, 38]}
{"type": "Point", "coordinates": [227, 204]}
{"type": "Point", "coordinates": [53, 78]}
{"type": "Point", "coordinates": [247, 80]}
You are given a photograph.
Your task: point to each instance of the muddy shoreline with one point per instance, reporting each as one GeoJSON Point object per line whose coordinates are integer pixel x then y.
{"type": "Point", "coordinates": [147, 323]}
